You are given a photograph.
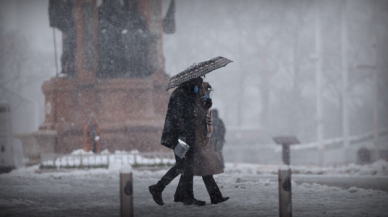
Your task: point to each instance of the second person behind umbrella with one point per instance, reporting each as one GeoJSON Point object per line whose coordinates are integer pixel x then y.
{"type": "Point", "coordinates": [206, 160]}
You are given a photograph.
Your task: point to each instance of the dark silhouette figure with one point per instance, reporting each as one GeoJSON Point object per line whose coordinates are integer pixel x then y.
{"type": "Point", "coordinates": [363, 156]}
{"type": "Point", "coordinates": [218, 135]}
{"type": "Point", "coordinates": [92, 136]}
{"type": "Point", "coordinates": [180, 124]}
{"type": "Point", "coordinates": [206, 161]}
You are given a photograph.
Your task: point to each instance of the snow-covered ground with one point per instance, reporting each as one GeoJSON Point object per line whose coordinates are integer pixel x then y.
{"type": "Point", "coordinates": [378, 168]}
{"type": "Point", "coordinates": [95, 192]}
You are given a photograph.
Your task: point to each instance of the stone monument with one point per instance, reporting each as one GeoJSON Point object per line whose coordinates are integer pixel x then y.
{"type": "Point", "coordinates": [7, 162]}
{"type": "Point", "coordinates": [113, 68]}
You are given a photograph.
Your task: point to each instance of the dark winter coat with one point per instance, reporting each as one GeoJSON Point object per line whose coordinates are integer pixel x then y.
{"type": "Point", "coordinates": [206, 160]}
{"type": "Point", "coordinates": [91, 130]}
{"type": "Point", "coordinates": [179, 121]}
{"type": "Point", "coordinates": [218, 135]}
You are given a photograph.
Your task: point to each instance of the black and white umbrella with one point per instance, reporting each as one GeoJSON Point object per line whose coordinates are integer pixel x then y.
{"type": "Point", "coordinates": [197, 70]}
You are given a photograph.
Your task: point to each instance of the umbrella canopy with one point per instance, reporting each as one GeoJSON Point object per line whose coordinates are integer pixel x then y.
{"type": "Point", "coordinates": [197, 70]}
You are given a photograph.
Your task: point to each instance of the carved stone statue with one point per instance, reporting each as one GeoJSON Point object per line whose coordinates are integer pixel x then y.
{"type": "Point", "coordinates": [62, 16]}
{"type": "Point", "coordinates": [110, 28]}
{"type": "Point", "coordinates": [124, 38]}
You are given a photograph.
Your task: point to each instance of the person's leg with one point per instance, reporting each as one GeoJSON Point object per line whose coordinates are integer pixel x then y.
{"type": "Point", "coordinates": [168, 177]}
{"type": "Point", "coordinates": [186, 180]}
{"type": "Point", "coordinates": [187, 192]}
{"type": "Point", "coordinates": [157, 189]}
{"type": "Point", "coordinates": [179, 193]}
{"type": "Point", "coordinates": [211, 186]}
{"type": "Point", "coordinates": [184, 192]}
{"type": "Point", "coordinates": [213, 190]}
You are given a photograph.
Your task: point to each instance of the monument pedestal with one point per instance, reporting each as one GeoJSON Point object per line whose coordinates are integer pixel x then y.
{"type": "Point", "coordinates": [37, 143]}
{"type": "Point", "coordinates": [130, 112]}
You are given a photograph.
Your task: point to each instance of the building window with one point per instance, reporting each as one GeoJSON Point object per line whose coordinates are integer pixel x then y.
{"type": "Point", "coordinates": [2, 148]}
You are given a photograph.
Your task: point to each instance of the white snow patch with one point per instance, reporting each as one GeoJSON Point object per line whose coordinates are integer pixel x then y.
{"type": "Point", "coordinates": [379, 168]}
{"type": "Point", "coordinates": [105, 158]}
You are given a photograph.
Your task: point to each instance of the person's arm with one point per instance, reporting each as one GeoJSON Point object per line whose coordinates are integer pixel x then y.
{"type": "Point", "coordinates": [174, 125]}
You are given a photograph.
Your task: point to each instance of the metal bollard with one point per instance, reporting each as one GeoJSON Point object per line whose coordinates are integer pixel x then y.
{"type": "Point", "coordinates": [285, 202]}
{"type": "Point", "coordinates": [126, 192]}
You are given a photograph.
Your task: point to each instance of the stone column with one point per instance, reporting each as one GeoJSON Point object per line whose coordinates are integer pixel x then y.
{"type": "Point", "coordinates": [75, 97]}
{"type": "Point", "coordinates": [86, 24]}
{"type": "Point", "coordinates": [86, 58]}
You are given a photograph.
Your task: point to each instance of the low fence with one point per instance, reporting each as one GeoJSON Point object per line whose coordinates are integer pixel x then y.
{"type": "Point", "coordinates": [306, 154]}
{"type": "Point", "coordinates": [55, 161]}
{"type": "Point", "coordinates": [339, 141]}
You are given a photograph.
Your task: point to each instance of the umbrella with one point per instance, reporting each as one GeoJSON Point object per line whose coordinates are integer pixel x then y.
{"type": "Point", "coordinates": [197, 70]}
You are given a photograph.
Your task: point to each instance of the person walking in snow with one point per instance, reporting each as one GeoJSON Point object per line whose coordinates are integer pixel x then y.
{"type": "Point", "coordinates": [180, 124]}
{"type": "Point", "coordinates": [218, 135]}
{"type": "Point", "coordinates": [206, 161]}
{"type": "Point", "coordinates": [179, 128]}
{"type": "Point", "coordinates": [92, 136]}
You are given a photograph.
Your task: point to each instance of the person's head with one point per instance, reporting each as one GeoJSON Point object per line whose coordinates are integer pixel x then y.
{"type": "Point", "coordinates": [192, 84]}
{"type": "Point", "coordinates": [204, 90]}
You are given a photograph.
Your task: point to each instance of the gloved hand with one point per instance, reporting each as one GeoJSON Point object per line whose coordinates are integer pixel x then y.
{"type": "Point", "coordinates": [208, 103]}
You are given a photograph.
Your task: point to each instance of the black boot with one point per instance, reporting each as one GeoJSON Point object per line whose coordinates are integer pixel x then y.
{"type": "Point", "coordinates": [156, 194]}
{"type": "Point", "coordinates": [178, 199]}
{"type": "Point", "coordinates": [219, 200]}
{"type": "Point", "coordinates": [193, 201]}
{"type": "Point", "coordinates": [180, 191]}
{"type": "Point", "coordinates": [156, 190]}
{"type": "Point", "coordinates": [213, 190]}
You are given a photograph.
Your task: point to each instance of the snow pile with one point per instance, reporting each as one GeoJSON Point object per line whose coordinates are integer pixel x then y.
{"type": "Point", "coordinates": [379, 168]}
{"type": "Point", "coordinates": [81, 151]}
{"type": "Point", "coordinates": [233, 171]}
{"type": "Point", "coordinates": [105, 151]}
{"type": "Point", "coordinates": [80, 158]}
{"type": "Point", "coordinates": [333, 141]}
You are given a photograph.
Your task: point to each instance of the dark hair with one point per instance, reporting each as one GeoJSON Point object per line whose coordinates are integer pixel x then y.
{"type": "Point", "coordinates": [192, 82]}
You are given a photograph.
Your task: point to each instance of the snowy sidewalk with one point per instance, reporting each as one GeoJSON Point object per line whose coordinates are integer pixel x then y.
{"type": "Point", "coordinates": [95, 193]}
